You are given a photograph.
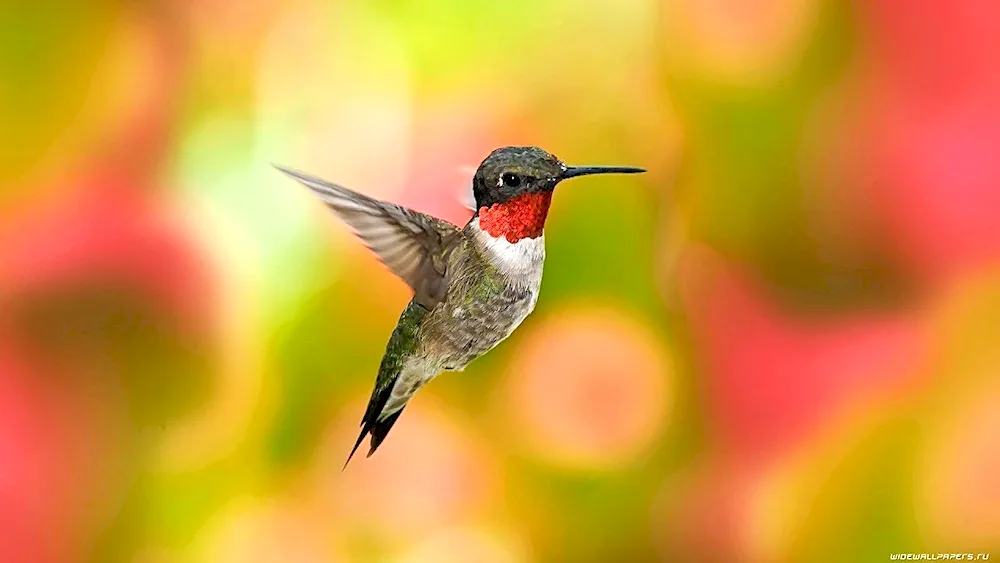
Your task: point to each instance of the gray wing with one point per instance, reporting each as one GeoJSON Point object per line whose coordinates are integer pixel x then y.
{"type": "Point", "coordinates": [411, 244]}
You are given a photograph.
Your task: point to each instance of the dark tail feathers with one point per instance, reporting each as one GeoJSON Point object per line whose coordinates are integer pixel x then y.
{"type": "Point", "coordinates": [403, 341]}
{"type": "Point", "coordinates": [379, 430]}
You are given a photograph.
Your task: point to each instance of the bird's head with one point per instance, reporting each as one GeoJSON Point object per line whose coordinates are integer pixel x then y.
{"type": "Point", "coordinates": [514, 185]}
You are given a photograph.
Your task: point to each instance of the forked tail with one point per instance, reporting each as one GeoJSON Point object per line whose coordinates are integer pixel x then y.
{"type": "Point", "coordinates": [402, 343]}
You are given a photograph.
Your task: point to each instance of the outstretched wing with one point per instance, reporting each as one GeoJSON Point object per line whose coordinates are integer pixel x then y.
{"type": "Point", "coordinates": [411, 244]}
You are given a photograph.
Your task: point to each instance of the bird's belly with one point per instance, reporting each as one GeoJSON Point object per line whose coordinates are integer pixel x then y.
{"type": "Point", "coordinates": [468, 328]}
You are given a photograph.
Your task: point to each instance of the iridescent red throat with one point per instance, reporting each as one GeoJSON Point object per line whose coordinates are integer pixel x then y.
{"type": "Point", "coordinates": [519, 217]}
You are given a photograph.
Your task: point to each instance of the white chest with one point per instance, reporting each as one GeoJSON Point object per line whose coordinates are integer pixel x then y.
{"type": "Point", "coordinates": [521, 262]}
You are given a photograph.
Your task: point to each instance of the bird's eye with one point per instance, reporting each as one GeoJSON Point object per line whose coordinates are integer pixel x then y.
{"type": "Point", "coordinates": [510, 180]}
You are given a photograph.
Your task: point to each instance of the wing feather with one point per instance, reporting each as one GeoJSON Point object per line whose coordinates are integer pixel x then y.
{"type": "Point", "coordinates": [411, 244]}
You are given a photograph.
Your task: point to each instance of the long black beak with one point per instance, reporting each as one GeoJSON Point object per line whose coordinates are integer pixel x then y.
{"type": "Point", "coordinates": [574, 171]}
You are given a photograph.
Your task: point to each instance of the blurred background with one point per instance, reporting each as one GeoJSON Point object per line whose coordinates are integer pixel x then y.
{"type": "Point", "coordinates": [780, 344]}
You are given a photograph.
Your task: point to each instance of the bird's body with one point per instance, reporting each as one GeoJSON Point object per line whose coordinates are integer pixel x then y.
{"type": "Point", "coordinates": [493, 285]}
{"type": "Point", "coordinates": [472, 286]}
{"type": "Point", "coordinates": [486, 301]}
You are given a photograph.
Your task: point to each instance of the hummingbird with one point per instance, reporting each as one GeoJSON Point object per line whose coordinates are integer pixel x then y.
{"type": "Point", "coordinates": [472, 286]}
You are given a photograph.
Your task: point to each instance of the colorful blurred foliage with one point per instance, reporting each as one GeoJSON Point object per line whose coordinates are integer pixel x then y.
{"type": "Point", "coordinates": [778, 345]}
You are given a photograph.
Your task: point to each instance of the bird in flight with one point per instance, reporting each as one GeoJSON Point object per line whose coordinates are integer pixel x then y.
{"type": "Point", "coordinates": [472, 286]}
